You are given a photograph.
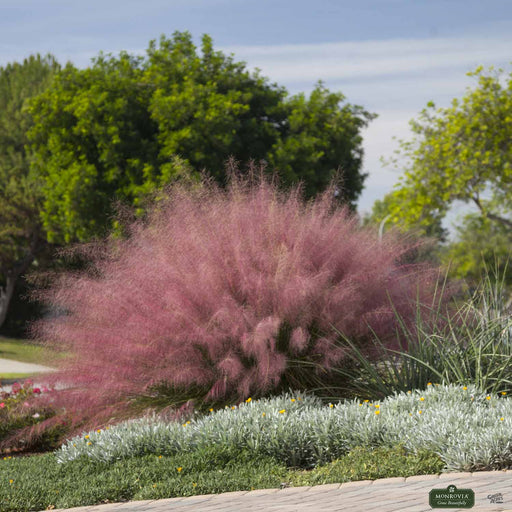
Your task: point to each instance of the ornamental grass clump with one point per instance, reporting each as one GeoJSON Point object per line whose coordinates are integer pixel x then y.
{"type": "Point", "coordinates": [473, 344]}
{"type": "Point", "coordinates": [226, 293]}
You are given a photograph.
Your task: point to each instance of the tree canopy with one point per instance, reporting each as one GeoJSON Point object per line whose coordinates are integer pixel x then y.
{"type": "Point", "coordinates": [459, 153]}
{"type": "Point", "coordinates": [22, 238]}
{"type": "Point", "coordinates": [128, 125]}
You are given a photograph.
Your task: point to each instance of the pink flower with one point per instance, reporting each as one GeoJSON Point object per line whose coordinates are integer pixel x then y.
{"type": "Point", "coordinates": [16, 388]}
{"type": "Point", "coordinates": [37, 391]}
{"type": "Point", "coordinates": [2, 405]}
{"type": "Point", "coordinates": [44, 389]}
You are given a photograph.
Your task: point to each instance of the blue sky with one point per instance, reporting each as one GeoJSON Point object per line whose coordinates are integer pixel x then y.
{"type": "Point", "coordinates": [391, 56]}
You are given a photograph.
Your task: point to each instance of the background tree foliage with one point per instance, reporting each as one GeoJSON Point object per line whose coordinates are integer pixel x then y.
{"type": "Point", "coordinates": [74, 142]}
{"type": "Point", "coordinates": [481, 245]}
{"type": "Point", "coordinates": [128, 125]}
{"type": "Point", "coordinates": [22, 238]}
{"type": "Point", "coordinates": [460, 153]}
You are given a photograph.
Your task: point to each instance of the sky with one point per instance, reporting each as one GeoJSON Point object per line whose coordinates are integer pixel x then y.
{"type": "Point", "coordinates": [390, 56]}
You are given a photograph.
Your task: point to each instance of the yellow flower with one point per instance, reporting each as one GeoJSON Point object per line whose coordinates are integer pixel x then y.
{"type": "Point", "coordinates": [331, 406]}
{"type": "Point", "coordinates": [292, 400]}
{"type": "Point", "coordinates": [429, 383]}
{"type": "Point", "coordinates": [98, 431]}
{"type": "Point", "coordinates": [211, 410]}
{"type": "Point", "coordinates": [154, 485]}
{"type": "Point", "coordinates": [502, 419]}
{"type": "Point", "coordinates": [366, 401]}
{"type": "Point", "coordinates": [263, 414]}
{"type": "Point", "coordinates": [409, 392]}
{"type": "Point", "coordinates": [282, 411]}
{"type": "Point", "coordinates": [360, 405]}
{"type": "Point", "coordinates": [377, 406]}
{"type": "Point", "coordinates": [194, 484]}
{"type": "Point", "coordinates": [159, 456]}
{"type": "Point", "coordinates": [503, 393]}
{"type": "Point", "coordinates": [247, 401]}
{"type": "Point", "coordinates": [179, 469]}
{"type": "Point", "coordinates": [233, 408]}
{"type": "Point", "coordinates": [464, 388]}
{"type": "Point", "coordinates": [89, 443]}
{"type": "Point", "coordinates": [422, 399]}
{"type": "Point", "coordinates": [86, 437]}
{"type": "Point", "coordinates": [487, 397]}
{"type": "Point", "coordinates": [11, 481]}
{"type": "Point", "coordinates": [419, 412]}
{"type": "Point", "coordinates": [377, 412]}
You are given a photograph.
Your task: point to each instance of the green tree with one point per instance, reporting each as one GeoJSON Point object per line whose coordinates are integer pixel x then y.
{"type": "Point", "coordinates": [460, 153]}
{"type": "Point", "coordinates": [482, 248]}
{"type": "Point", "coordinates": [22, 238]}
{"type": "Point", "coordinates": [128, 125]}
{"type": "Point", "coordinates": [94, 141]}
{"type": "Point", "coordinates": [321, 135]}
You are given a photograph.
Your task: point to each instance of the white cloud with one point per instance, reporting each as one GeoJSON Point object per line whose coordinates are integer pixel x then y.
{"type": "Point", "coordinates": [350, 60]}
{"type": "Point", "coordinates": [394, 78]}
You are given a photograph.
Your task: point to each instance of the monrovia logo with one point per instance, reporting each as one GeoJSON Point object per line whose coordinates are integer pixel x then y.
{"type": "Point", "coordinates": [451, 497]}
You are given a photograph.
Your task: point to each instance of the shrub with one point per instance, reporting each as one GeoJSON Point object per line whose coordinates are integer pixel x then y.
{"type": "Point", "coordinates": [220, 292]}
{"type": "Point", "coordinates": [22, 413]}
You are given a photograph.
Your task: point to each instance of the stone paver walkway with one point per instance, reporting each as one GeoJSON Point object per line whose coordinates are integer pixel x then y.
{"type": "Point", "coordinates": [386, 495]}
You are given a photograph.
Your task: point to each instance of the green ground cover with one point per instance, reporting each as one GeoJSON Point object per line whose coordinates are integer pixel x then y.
{"type": "Point", "coordinates": [39, 482]}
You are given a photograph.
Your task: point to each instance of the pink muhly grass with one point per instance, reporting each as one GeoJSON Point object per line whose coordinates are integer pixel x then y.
{"type": "Point", "coordinates": [219, 290]}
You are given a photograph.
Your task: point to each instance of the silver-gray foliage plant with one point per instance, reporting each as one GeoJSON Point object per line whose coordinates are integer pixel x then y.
{"type": "Point", "coordinates": [468, 429]}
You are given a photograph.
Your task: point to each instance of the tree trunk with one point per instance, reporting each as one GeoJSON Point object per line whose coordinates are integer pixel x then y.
{"type": "Point", "coordinates": [6, 294]}
{"type": "Point", "coordinates": [12, 275]}
{"type": "Point", "coordinates": [490, 215]}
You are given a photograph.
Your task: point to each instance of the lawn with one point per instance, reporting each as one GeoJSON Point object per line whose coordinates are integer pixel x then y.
{"type": "Point", "coordinates": [24, 351]}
